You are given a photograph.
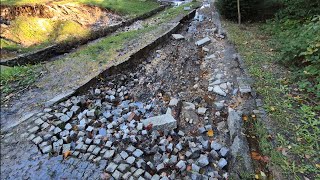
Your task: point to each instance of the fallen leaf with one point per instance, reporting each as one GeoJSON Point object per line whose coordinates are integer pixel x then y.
{"type": "Point", "coordinates": [66, 154]}
{"type": "Point", "coordinates": [255, 155]}
{"type": "Point", "coordinates": [131, 116]}
{"type": "Point", "coordinates": [149, 127]}
{"type": "Point", "coordinates": [256, 176]}
{"type": "Point", "coordinates": [189, 168]}
{"type": "Point", "coordinates": [272, 108]}
{"type": "Point", "coordinates": [307, 156]}
{"type": "Point", "coordinates": [318, 166]}
{"type": "Point", "coordinates": [245, 118]}
{"type": "Point", "coordinates": [263, 174]}
{"type": "Point", "coordinates": [210, 133]}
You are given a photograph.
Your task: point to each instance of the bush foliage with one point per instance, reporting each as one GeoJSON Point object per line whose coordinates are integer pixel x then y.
{"type": "Point", "coordinates": [297, 26]}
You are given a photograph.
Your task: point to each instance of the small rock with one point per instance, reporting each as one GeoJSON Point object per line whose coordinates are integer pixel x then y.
{"type": "Point", "coordinates": [91, 113]}
{"type": "Point", "coordinates": [68, 126]}
{"type": "Point", "coordinates": [177, 36]}
{"type": "Point", "coordinates": [130, 160]}
{"type": "Point", "coordinates": [222, 163]}
{"type": "Point", "coordinates": [137, 153]}
{"type": "Point", "coordinates": [203, 160]}
{"type": "Point", "coordinates": [111, 167]}
{"type": "Point", "coordinates": [47, 149]}
{"type": "Point", "coordinates": [203, 41]}
{"type": "Point", "coordinates": [223, 151]}
{"type": "Point", "coordinates": [97, 91]}
{"type": "Point", "coordinates": [181, 165]}
{"type": "Point", "coordinates": [124, 154]}
{"type": "Point", "coordinates": [215, 146]}
{"type": "Point", "coordinates": [195, 168]}
{"type": "Point", "coordinates": [109, 154]}
{"type": "Point", "coordinates": [160, 167]}
{"type": "Point", "coordinates": [173, 102]}
{"type": "Point", "coordinates": [219, 91]}
{"type": "Point", "coordinates": [202, 110]}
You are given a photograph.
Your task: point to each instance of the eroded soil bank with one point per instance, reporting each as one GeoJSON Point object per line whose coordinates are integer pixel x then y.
{"type": "Point", "coordinates": [28, 27]}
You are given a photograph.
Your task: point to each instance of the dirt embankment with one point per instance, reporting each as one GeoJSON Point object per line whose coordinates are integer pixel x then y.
{"type": "Point", "coordinates": [32, 25]}
{"type": "Point", "coordinates": [83, 14]}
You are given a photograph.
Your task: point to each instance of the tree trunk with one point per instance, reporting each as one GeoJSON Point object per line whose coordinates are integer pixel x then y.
{"type": "Point", "coordinates": [239, 14]}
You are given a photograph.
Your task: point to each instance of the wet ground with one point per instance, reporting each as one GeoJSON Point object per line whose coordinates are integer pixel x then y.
{"type": "Point", "coordinates": [102, 133]}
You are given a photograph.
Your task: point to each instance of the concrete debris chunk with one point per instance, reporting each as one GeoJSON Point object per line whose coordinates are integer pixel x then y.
{"type": "Point", "coordinates": [203, 41]}
{"type": "Point", "coordinates": [177, 36]}
{"type": "Point", "coordinates": [161, 122]}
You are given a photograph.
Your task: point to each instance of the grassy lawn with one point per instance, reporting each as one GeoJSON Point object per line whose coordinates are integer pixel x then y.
{"type": "Point", "coordinates": [294, 120]}
{"type": "Point", "coordinates": [15, 78]}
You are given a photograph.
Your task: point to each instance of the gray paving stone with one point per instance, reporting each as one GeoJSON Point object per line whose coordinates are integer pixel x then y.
{"type": "Point", "coordinates": [222, 163]}
{"type": "Point", "coordinates": [109, 154]}
{"type": "Point", "coordinates": [111, 167]}
{"type": "Point", "coordinates": [117, 174]}
{"type": "Point", "coordinates": [137, 153]}
{"type": "Point", "coordinates": [96, 151]}
{"type": "Point", "coordinates": [138, 173]}
{"type": "Point", "coordinates": [124, 154]}
{"type": "Point", "coordinates": [123, 167]}
{"type": "Point", "coordinates": [37, 140]}
{"type": "Point", "coordinates": [33, 129]}
{"type": "Point", "coordinates": [161, 122]}
{"type": "Point", "coordinates": [130, 160]}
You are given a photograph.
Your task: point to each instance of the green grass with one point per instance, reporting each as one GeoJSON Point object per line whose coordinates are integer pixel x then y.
{"type": "Point", "coordinates": [294, 120]}
{"type": "Point", "coordinates": [125, 7]}
{"type": "Point", "coordinates": [13, 78]}
{"type": "Point", "coordinates": [104, 48]}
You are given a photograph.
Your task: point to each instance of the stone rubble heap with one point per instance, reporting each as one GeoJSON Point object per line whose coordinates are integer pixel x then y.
{"type": "Point", "coordinates": [108, 124]}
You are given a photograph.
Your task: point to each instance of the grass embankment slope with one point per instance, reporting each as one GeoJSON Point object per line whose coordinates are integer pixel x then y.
{"type": "Point", "coordinates": [84, 60]}
{"type": "Point", "coordinates": [25, 34]}
{"type": "Point", "coordinates": [294, 117]}
{"type": "Point", "coordinates": [124, 7]}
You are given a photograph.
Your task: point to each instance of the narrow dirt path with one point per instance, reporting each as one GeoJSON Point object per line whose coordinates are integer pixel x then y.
{"type": "Point", "coordinates": [201, 87]}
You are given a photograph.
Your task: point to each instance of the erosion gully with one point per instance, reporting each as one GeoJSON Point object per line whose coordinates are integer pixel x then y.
{"type": "Point", "coordinates": [101, 132]}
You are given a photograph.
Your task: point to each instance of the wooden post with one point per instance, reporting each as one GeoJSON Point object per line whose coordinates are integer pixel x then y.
{"type": "Point", "coordinates": [239, 14]}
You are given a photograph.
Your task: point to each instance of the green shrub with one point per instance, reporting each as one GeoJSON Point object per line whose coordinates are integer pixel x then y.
{"type": "Point", "coordinates": [299, 9]}
{"type": "Point", "coordinates": [300, 50]}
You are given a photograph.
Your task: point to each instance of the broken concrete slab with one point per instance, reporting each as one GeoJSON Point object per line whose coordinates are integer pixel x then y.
{"type": "Point", "coordinates": [165, 121]}
{"type": "Point", "coordinates": [177, 36]}
{"type": "Point", "coordinates": [203, 41]}
{"type": "Point", "coordinates": [219, 91]}
{"type": "Point", "coordinates": [212, 56]}
{"type": "Point", "coordinates": [244, 86]}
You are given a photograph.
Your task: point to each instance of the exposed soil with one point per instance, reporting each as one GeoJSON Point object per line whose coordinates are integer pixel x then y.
{"type": "Point", "coordinates": [83, 14]}
{"type": "Point", "coordinates": [47, 17]}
